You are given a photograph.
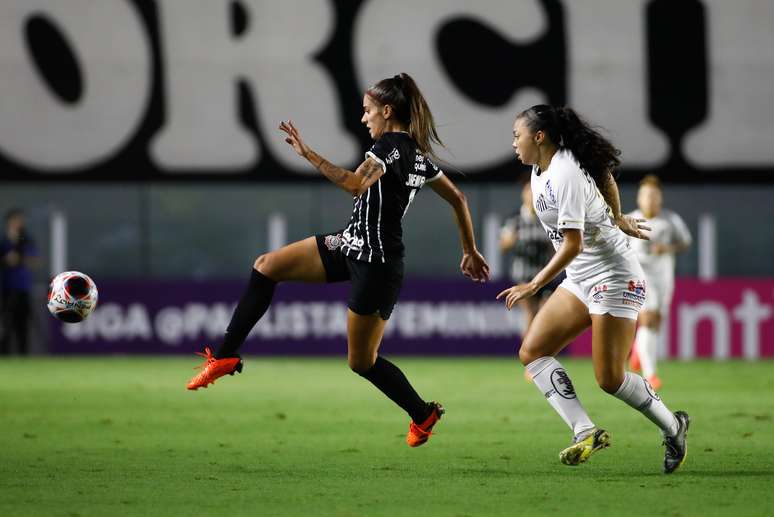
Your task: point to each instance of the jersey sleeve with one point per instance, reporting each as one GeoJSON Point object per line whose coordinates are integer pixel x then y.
{"type": "Point", "coordinates": [570, 189]}
{"type": "Point", "coordinates": [433, 171]}
{"type": "Point", "coordinates": [384, 152]}
{"type": "Point", "coordinates": [681, 235]}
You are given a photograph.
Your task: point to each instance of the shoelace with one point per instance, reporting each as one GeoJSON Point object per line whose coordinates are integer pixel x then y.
{"type": "Point", "coordinates": [209, 358]}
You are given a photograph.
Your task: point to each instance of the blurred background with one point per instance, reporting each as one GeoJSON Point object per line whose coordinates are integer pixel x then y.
{"type": "Point", "coordinates": [138, 139]}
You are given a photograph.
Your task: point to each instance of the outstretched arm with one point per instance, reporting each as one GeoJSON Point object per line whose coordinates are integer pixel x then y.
{"type": "Point", "coordinates": [473, 264]}
{"type": "Point", "coordinates": [628, 224]}
{"type": "Point", "coordinates": [353, 182]}
{"type": "Point", "coordinates": [571, 247]}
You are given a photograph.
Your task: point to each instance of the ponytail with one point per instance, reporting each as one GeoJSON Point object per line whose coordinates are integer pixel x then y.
{"type": "Point", "coordinates": [595, 154]}
{"type": "Point", "coordinates": [410, 107]}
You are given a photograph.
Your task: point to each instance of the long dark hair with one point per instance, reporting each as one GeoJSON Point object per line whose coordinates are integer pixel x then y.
{"type": "Point", "coordinates": [595, 154]}
{"type": "Point", "coordinates": [410, 107]}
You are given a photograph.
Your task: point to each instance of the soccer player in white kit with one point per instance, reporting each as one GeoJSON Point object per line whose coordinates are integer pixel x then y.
{"type": "Point", "coordinates": [577, 201]}
{"type": "Point", "coordinates": [668, 236]}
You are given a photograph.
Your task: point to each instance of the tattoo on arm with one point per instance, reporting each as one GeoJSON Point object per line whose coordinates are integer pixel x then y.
{"type": "Point", "coordinates": [336, 174]}
{"type": "Point", "coordinates": [369, 169]}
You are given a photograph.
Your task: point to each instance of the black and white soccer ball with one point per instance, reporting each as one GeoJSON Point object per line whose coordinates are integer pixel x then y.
{"type": "Point", "coordinates": [72, 296]}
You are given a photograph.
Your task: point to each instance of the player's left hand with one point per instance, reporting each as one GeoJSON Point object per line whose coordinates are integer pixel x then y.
{"type": "Point", "coordinates": [294, 138]}
{"type": "Point", "coordinates": [516, 293]}
{"type": "Point", "coordinates": [474, 266]}
{"type": "Point", "coordinates": [633, 227]}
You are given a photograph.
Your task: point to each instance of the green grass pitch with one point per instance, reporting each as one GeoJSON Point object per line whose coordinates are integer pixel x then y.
{"type": "Point", "coordinates": [122, 436]}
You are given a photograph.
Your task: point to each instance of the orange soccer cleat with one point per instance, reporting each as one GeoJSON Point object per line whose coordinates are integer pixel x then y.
{"type": "Point", "coordinates": [420, 433]}
{"type": "Point", "coordinates": [213, 369]}
{"type": "Point", "coordinates": [634, 360]}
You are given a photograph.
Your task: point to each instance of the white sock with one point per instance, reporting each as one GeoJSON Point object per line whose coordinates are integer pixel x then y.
{"type": "Point", "coordinates": [636, 392]}
{"type": "Point", "coordinates": [647, 349]}
{"type": "Point", "coordinates": [552, 380]}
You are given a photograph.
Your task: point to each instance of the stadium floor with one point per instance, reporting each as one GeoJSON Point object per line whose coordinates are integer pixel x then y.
{"type": "Point", "coordinates": [122, 436]}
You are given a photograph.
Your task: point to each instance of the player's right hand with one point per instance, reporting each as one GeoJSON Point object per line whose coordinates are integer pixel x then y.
{"type": "Point", "coordinates": [474, 266]}
{"type": "Point", "coordinates": [516, 293]}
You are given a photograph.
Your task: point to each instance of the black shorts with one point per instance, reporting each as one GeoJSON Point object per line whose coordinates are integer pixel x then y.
{"type": "Point", "coordinates": [375, 285]}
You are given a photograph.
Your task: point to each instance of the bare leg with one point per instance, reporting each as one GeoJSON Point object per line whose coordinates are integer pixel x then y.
{"type": "Point", "coordinates": [612, 337]}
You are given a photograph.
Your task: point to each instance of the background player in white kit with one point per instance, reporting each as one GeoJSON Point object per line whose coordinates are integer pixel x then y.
{"type": "Point", "coordinates": [668, 236]}
{"type": "Point", "coordinates": [604, 288]}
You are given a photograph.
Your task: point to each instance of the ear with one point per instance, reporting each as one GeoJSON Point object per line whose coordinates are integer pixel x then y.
{"type": "Point", "coordinates": [539, 136]}
{"type": "Point", "coordinates": [387, 111]}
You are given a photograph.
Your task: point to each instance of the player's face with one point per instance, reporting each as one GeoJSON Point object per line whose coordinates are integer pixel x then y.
{"type": "Point", "coordinates": [373, 117]}
{"type": "Point", "coordinates": [524, 143]}
{"type": "Point", "coordinates": [649, 200]}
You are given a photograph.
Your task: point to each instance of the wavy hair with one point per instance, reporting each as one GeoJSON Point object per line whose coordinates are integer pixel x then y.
{"type": "Point", "coordinates": [565, 128]}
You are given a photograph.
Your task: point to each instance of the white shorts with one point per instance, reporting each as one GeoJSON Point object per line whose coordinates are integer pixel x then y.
{"type": "Point", "coordinates": [619, 291]}
{"type": "Point", "coordinates": [660, 290]}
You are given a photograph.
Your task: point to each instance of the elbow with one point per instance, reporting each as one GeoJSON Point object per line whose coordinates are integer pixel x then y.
{"type": "Point", "coordinates": [356, 188]}
{"type": "Point", "coordinates": [574, 247]}
{"type": "Point", "coordinates": [458, 199]}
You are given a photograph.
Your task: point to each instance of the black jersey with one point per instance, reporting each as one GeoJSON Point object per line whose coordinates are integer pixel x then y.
{"type": "Point", "coordinates": [374, 232]}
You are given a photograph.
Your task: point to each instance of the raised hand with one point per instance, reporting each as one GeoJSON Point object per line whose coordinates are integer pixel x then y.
{"type": "Point", "coordinates": [294, 138]}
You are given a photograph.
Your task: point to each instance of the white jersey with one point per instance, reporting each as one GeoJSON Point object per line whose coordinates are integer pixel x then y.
{"type": "Point", "coordinates": [666, 228]}
{"type": "Point", "coordinates": [565, 196]}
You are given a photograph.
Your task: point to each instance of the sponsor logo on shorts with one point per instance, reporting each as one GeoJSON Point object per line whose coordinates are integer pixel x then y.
{"type": "Point", "coordinates": [633, 299]}
{"type": "Point", "coordinates": [635, 294]}
{"type": "Point", "coordinates": [333, 242]}
{"type": "Point", "coordinates": [598, 293]}
{"type": "Point", "coordinates": [562, 384]}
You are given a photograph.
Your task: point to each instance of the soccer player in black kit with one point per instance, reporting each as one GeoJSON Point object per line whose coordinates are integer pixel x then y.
{"type": "Point", "coordinates": [369, 251]}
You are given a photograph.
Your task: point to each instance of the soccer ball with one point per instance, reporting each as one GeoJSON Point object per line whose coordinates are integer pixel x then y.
{"type": "Point", "coordinates": [72, 296]}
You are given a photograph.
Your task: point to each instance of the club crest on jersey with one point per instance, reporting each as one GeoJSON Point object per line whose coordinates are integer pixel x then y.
{"type": "Point", "coordinates": [540, 204]}
{"type": "Point", "coordinates": [333, 242]}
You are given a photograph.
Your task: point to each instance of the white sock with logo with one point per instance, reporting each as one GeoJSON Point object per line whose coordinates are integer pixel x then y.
{"type": "Point", "coordinates": [647, 349]}
{"type": "Point", "coordinates": [636, 392]}
{"type": "Point", "coordinates": [552, 380]}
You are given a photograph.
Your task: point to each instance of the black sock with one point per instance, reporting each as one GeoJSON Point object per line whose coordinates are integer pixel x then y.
{"type": "Point", "coordinates": [250, 309]}
{"type": "Point", "coordinates": [391, 381]}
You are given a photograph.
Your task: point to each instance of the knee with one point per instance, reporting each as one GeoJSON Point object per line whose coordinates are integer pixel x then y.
{"type": "Point", "coordinates": [360, 365]}
{"type": "Point", "coordinates": [609, 382]}
{"type": "Point", "coordinates": [263, 264]}
{"type": "Point", "coordinates": [526, 356]}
